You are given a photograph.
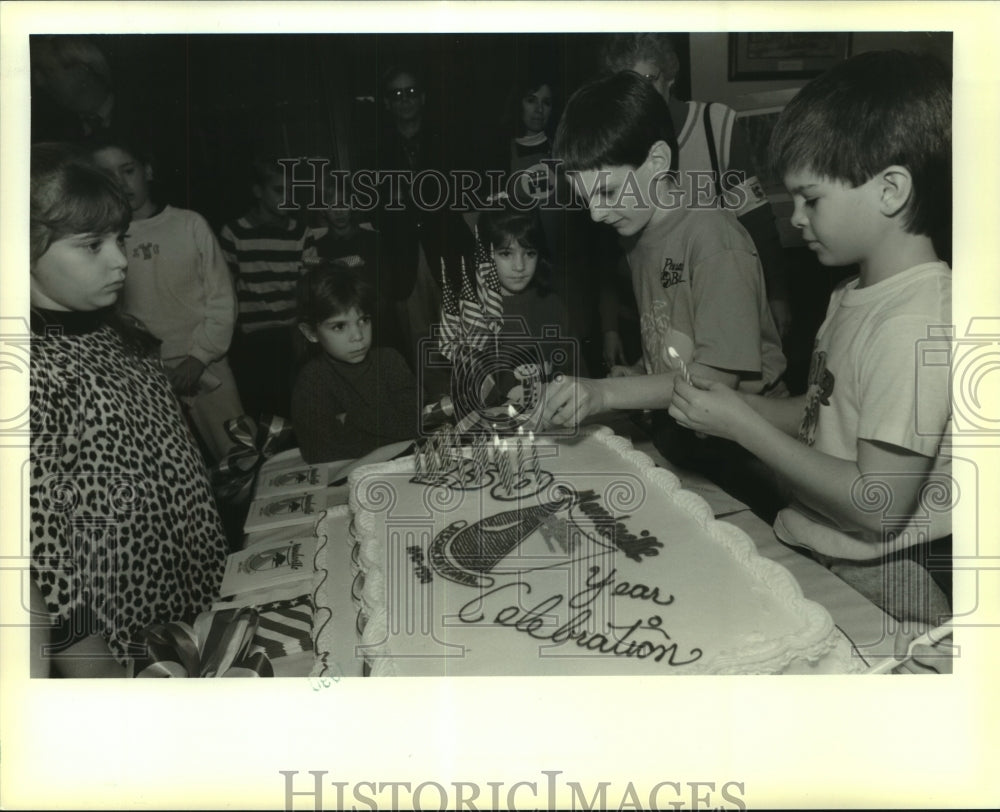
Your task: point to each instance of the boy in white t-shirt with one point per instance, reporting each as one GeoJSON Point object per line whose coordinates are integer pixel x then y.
{"type": "Point", "coordinates": [865, 151]}
{"type": "Point", "coordinates": [179, 287]}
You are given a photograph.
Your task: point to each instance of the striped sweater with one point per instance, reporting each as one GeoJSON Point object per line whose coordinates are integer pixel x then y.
{"type": "Point", "coordinates": [267, 261]}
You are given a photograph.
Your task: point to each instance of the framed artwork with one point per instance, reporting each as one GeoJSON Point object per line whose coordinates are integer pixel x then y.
{"type": "Point", "coordinates": [785, 54]}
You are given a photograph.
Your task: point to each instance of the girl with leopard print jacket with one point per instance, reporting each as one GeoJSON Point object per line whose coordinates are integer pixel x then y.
{"type": "Point", "coordinates": [124, 528]}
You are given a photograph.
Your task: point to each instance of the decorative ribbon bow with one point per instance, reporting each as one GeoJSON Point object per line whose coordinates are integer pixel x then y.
{"type": "Point", "coordinates": [219, 644]}
{"type": "Point", "coordinates": [234, 476]}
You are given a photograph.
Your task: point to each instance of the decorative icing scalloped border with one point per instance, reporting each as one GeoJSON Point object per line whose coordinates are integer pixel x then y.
{"type": "Point", "coordinates": [322, 614]}
{"type": "Point", "coordinates": [814, 640]}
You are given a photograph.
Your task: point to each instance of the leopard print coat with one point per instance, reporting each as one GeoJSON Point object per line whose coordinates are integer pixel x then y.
{"type": "Point", "coordinates": [124, 528]}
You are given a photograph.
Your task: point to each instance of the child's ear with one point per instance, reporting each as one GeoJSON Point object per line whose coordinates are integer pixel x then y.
{"type": "Point", "coordinates": [659, 156]}
{"type": "Point", "coordinates": [308, 332]}
{"type": "Point", "coordinates": [895, 188]}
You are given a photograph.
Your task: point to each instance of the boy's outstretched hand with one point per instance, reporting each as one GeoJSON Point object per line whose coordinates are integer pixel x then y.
{"type": "Point", "coordinates": [567, 401]}
{"type": "Point", "coordinates": [710, 407]}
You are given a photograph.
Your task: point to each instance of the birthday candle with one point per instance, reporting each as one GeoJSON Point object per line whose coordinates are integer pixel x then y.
{"type": "Point", "coordinates": [505, 462]}
{"type": "Point", "coordinates": [511, 474]}
{"type": "Point", "coordinates": [678, 362]}
{"type": "Point", "coordinates": [501, 466]}
{"type": "Point", "coordinates": [535, 466]}
{"type": "Point", "coordinates": [520, 450]}
{"type": "Point", "coordinates": [484, 453]}
{"type": "Point", "coordinates": [437, 463]}
{"type": "Point", "coordinates": [453, 446]}
{"type": "Point", "coordinates": [477, 455]}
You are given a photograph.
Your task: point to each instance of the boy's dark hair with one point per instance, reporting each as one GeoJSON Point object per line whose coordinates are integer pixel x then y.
{"type": "Point", "coordinates": [621, 51]}
{"type": "Point", "coordinates": [339, 189]}
{"type": "Point", "coordinates": [70, 194]}
{"type": "Point", "coordinates": [265, 167]}
{"type": "Point", "coordinates": [131, 144]}
{"type": "Point", "coordinates": [329, 289]}
{"type": "Point", "coordinates": [613, 121]}
{"type": "Point", "coordinates": [497, 226]}
{"type": "Point", "coordinates": [869, 112]}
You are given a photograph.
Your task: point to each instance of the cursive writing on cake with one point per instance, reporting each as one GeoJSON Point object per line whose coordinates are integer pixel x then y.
{"type": "Point", "coordinates": [635, 590]}
{"type": "Point", "coordinates": [618, 641]}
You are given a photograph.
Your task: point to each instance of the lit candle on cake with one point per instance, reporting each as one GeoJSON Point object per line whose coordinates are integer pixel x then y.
{"type": "Point", "coordinates": [447, 445]}
{"type": "Point", "coordinates": [678, 363]}
{"type": "Point", "coordinates": [484, 453]}
{"type": "Point", "coordinates": [536, 468]}
{"type": "Point", "coordinates": [505, 458]}
{"type": "Point", "coordinates": [520, 452]}
{"type": "Point", "coordinates": [436, 457]}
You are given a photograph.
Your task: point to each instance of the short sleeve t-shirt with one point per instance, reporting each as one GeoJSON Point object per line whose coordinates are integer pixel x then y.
{"type": "Point", "coordinates": [700, 289]}
{"type": "Point", "coordinates": [880, 373]}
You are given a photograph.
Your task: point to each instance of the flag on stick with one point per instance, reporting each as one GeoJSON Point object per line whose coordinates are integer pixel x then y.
{"type": "Point", "coordinates": [488, 285]}
{"type": "Point", "coordinates": [451, 319]}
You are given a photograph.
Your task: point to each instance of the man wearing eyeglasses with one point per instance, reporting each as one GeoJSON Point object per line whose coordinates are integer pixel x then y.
{"type": "Point", "coordinates": [404, 99]}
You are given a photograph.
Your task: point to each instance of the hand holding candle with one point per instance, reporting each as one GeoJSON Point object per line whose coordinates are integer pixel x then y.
{"type": "Point", "coordinates": [678, 363]}
{"type": "Point", "coordinates": [681, 367]}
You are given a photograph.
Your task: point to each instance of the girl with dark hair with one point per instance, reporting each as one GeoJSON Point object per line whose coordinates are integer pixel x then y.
{"type": "Point", "coordinates": [535, 340]}
{"type": "Point", "coordinates": [124, 527]}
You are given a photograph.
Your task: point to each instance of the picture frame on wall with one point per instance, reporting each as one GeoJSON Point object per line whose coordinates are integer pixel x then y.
{"type": "Point", "coordinates": [785, 54]}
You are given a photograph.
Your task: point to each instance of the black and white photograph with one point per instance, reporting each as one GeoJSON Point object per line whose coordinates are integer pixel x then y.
{"type": "Point", "coordinates": [536, 405]}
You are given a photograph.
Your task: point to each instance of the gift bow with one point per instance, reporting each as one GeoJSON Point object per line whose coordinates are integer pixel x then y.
{"type": "Point", "coordinates": [254, 443]}
{"type": "Point", "coordinates": [219, 644]}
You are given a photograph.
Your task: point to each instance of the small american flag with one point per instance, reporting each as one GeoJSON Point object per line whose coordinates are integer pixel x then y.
{"type": "Point", "coordinates": [488, 284]}
{"type": "Point", "coordinates": [451, 319]}
{"type": "Point", "coordinates": [473, 317]}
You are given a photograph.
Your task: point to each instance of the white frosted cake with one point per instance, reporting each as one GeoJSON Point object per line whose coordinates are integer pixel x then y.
{"type": "Point", "coordinates": [569, 557]}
